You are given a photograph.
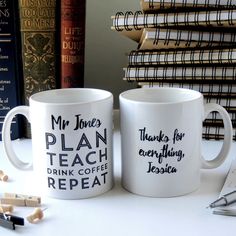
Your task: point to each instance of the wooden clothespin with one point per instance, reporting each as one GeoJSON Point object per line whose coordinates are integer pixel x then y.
{"type": "Point", "coordinates": [20, 200]}
{"type": "Point", "coordinates": [6, 208]}
{"type": "Point", "coordinates": [36, 216]}
{"type": "Point", "coordinates": [3, 176]}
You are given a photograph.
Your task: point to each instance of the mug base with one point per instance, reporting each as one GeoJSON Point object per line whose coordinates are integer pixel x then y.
{"type": "Point", "coordinates": [161, 194]}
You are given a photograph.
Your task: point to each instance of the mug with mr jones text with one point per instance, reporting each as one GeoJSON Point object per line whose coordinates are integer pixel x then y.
{"type": "Point", "coordinates": [161, 133]}
{"type": "Point", "coordinates": [71, 141]}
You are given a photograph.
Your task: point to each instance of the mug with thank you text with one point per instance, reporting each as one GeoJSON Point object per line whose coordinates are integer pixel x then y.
{"type": "Point", "coordinates": [161, 134]}
{"type": "Point", "coordinates": [71, 141]}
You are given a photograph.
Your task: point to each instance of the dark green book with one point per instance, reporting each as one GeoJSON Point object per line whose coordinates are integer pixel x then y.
{"type": "Point", "coordinates": [38, 35]}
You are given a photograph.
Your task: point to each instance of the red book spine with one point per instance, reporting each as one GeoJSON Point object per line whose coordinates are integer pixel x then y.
{"type": "Point", "coordinates": [72, 43]}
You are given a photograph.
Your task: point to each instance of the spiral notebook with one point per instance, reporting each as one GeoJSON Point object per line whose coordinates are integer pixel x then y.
{"type": "Point", "coordinates": [178, 38]}
{"type": "Point", "coordinates": [129, 22]}
{"type": "Point", "coordinates": [186, 43]}
{"type": "Point", "coordinates": [181, 56]}
{"type": "Point", "coordinates": [216, 74]}
{"type": "Point", "coordinates": [152, 5]}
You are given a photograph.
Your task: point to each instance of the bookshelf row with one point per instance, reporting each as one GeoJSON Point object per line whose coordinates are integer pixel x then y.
{"type": "Point", "coordinates": [41, 48]}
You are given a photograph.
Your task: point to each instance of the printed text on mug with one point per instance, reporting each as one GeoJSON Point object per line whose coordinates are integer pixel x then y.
{"type": "Point", "coordinates": [164, 150]}
{"type": "Point", "coordinates": [81, 164]}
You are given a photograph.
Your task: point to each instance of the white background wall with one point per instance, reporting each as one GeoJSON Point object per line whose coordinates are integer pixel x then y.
{"type": "Point", "coordinates": [106, 50]}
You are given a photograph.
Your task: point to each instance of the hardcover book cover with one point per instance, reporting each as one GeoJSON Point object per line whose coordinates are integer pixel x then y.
{"type": "Point", "coordinates": [72, 43]}
{"type": "Point", "coordinates": [38, 27]}
{"type": "Point", "coordinates": [9, 62]}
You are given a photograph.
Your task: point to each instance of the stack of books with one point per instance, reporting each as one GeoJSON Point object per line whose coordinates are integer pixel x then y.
{"type": "Point", "coordinates": [185, 43]}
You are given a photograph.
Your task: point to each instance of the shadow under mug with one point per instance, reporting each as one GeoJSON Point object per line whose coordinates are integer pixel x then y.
{"type": "Point", "coordinates": [71, 141]}
{"type": "Point", "coordinates": [161, 133]}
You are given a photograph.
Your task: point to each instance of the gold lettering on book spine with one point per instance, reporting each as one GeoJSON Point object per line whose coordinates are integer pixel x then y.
{"type": "Point", "coordinates": [37, 20]}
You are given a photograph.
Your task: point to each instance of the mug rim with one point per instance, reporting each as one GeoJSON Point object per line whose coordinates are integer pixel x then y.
{"type": "Point", "coordinates": [133, 95]}
{"type": "Point", "coordinates": [46, 97]}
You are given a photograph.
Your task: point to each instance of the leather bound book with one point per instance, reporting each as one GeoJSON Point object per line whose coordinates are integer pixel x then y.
{"type": "Point", "coordinates": [37, 25]}
{"type": "Point", "coordinates": [72, 43]}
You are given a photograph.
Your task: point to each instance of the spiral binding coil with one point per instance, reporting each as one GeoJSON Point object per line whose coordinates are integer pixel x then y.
{"type": "Point", "coordinates": [126, 19]}
{"type": "Point", "coordinates": [178, 38]}
{"type": "Point", "coordinates": [218, 18]}
{"type": "Point", "coordinates": [230, 56]}
{"type": "Point", "coordinates": [117, 16]}
{"type": "Point", "coordinates": [189, 39]}
{"type": "Point", "coordinates": [151, 4]}
{"type": "Point", "coordinates": [230, 19]}
{"type": "Point", "coordinates": [136, 25]}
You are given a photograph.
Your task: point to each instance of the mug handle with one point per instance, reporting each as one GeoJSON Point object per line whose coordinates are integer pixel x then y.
{"type": "Point", "coordinates": [220, 158]}
{"type": "Point", "coordinates": [6, 137]}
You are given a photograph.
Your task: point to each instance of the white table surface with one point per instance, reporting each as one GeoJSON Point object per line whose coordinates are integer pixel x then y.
{"type": "Point", "coordinates": [119, 212]}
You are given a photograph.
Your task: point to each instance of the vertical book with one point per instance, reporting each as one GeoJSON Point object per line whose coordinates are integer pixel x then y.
{"type": "Point", "coordinates": [72, 43]}
{"type": "Point", "coordinates": [37, 25]}
{"type": "Point", "coordinates": [9, 59]}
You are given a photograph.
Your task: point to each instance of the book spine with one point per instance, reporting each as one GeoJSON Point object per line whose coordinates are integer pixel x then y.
{"type": "Point", "coordinates": [181, 74]}
{"type": "Point", "coordinates": [173, 57]}
{"type": "Point", "coordinates": [37, 22]}
{"type": "Point", "coordinates": [9, 73]}
{"type": "Point", "coordinates": [37, 25]}
{"type": "Point", "coordinates": [72, 43]}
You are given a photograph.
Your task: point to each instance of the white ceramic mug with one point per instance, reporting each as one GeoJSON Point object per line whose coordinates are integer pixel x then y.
{"type": "Point", "coordinates": [161, 133]}
{"type": "Point", "coordinates": [71, 141]}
